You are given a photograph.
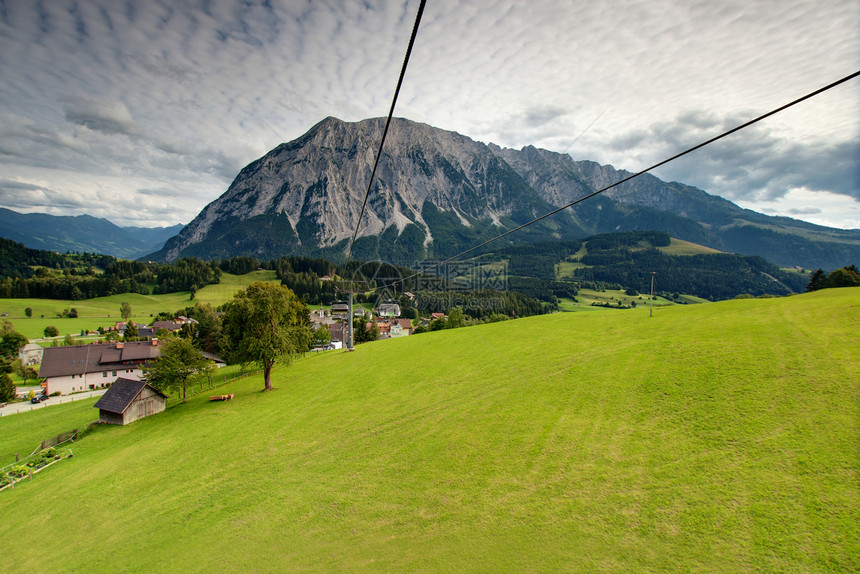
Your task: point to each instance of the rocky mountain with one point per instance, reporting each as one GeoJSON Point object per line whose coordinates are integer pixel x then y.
{"type": "Point", "coordinates": [437, 192]}
{"type": "Point", "coordinates": [82, 233]}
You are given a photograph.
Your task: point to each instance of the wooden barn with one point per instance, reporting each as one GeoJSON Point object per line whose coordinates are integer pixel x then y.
{"type": "Point", "coordinates": [128, 400]}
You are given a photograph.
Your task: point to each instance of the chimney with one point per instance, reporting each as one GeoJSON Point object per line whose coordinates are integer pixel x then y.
{"type": "Point", "coordinates": [154, 341]}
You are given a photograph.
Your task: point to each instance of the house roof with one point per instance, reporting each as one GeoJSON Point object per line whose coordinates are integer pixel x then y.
{"type": "Point", "coordinates": [121, 394]}
{"type": "Point", "coordinates": [212, 357]}
{"type": "Point", "coordinates": [169, 325]}
{"type": "Point", "coordinates": [80, 359]}
{"type": "Point", "coordinates": [337, 331]}
{"type": "Point", "coordinates": [146, 332]}
{"type": "Point", "coordinates": [30, 347]}
{"type": "Point", "coordinates": [137, 350]}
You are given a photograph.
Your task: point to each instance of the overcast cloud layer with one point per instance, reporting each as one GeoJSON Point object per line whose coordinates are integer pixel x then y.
{"type": "Point", "coordinates": [143, 112]}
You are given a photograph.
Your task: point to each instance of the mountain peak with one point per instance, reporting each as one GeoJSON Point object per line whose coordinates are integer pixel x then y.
{"type": "Point", "coordinates": [437, 192]}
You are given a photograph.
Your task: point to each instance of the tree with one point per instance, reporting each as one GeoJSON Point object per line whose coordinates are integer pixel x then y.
{"type": "Point", "coordinates": [456, 318]}
{"type": "Point", "coordinates": [125, 311]}
{"type": "Point", "coordinates": [265, 324]}
{"type": "Point", "coordinates": [73, 313]}
{"type": "Point", "coordinates": [816, 281]}
{"type": "Point", "coordinates": [843, 277]}
{"type": "Point", "coordinates": [69, 340]}
{"type": "Point", "coordinates": [28, 312]}
{"type": "Point", "coordinates": [27, 373]}
{"type": "Point", "coordinates": [359, 328]}
{"type": "Point", "coordinates": [322, 336]}
{"type": "Point", "coordinates": [51, 331]}
{"type": "Point", "coordinates": [179, 366]}
{"type": "Point", "coordinates": [130, 332]}
{"type": "Point", "coordinates": [8, 390]}
{"type": "Point", "coordinates": [11, 341]}
{"type": "Point", "coordinates": [373, 332]}
{"type": "Point", "coordinates": [208, 334]}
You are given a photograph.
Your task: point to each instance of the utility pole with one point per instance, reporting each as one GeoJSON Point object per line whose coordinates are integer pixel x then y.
{"type": "Point", "coordinates": [651, 306]}
{"type": "Point", "coordinates": [349, 341]}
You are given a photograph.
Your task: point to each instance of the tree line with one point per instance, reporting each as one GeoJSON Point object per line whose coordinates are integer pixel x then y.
{"type": "Point", "coordinates": [842, 277]}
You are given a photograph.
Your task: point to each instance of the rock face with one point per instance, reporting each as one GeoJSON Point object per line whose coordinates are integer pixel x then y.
{"type": "Point", "coordinates": [437, 192]}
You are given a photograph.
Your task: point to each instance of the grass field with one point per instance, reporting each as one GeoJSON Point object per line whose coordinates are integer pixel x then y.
{"type": "Point", "coordinates": [104, 311]}
{"type": "Point", "coordinates": [586, 297]}
{"type": "Point", "coordinates": [707, 438]}
{"type": "Point", "coordinates": [681, 247]}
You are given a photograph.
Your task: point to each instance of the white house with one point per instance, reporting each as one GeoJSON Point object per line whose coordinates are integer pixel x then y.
{"type": "Point", "coordinates": [31, 354]}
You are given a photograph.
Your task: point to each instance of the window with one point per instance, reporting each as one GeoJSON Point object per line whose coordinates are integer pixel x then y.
{"type": "Point", "coordinates": [114, 373]}
{"type": "Point", "coordinates": [104, 374]}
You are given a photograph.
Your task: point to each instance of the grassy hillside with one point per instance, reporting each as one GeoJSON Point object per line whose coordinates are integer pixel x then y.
{"type": "Point", "coordinates": [708, 438]}
{"type": "Point", "coordinates": [104, 311]}
{"type": "Point", "coordinates": [681, 247]}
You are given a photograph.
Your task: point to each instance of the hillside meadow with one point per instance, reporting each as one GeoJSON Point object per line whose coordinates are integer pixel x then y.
{"type": "Point", "coordinates": [707, 438]}
{"type": "Point", "coordinates": [105, 311]}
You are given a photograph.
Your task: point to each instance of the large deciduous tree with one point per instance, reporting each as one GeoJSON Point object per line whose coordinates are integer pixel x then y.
{"type": "Point", "coordinates": [265, 323]}
{"type": "Point", "coordinates": [179, 366]}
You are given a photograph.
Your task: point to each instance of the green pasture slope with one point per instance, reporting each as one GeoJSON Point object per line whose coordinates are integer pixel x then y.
{"type": "Point", "coordinates": [708, 438]}
{"type": "Point", "coordinates": [104, 311]}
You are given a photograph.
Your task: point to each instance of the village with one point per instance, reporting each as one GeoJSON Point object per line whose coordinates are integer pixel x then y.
{"type": "Point", "coordinates": [116, 364]}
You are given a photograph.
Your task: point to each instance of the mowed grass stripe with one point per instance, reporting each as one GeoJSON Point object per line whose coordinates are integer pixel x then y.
{"type": "Point", "coordinates": [717, 438]}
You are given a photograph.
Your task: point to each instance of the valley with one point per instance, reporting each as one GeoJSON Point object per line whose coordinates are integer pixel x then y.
{"type": "Point", "coordinates": [718, 437]}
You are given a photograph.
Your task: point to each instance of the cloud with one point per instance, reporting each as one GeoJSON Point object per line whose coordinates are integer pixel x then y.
{"type": "Point", "coordinates": [757, 163]}
{"type": "Point", "coordinates": [178, 97]}
{"type": "Point", "coordinates": [110, 117]}
{"type": "Point", "coordinates": [804, 210]}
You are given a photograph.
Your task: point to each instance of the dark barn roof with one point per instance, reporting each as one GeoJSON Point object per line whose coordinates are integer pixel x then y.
{"type": "Point", "coordinates": [121, 393]}
{"type": "Point", "coordinates": [80, 359]}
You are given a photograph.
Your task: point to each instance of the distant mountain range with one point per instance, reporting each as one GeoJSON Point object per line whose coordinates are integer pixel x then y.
{"type": "Point", "coordinates": [82, 233]}
{"type": "Point", "coordinates": [437, 192]}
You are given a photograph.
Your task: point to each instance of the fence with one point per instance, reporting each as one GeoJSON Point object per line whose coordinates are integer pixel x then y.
{"type": "Point", "coordinates": [25, 469]}
{"type": "Point", "coordinates": [26, 406]}
{"type": "Point", "coordinates": [59, 439]}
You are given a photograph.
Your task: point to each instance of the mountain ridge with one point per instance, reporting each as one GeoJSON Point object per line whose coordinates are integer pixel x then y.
{"type": "Point", "coordinates": [83, 233]}
{"type": "Point", "coordinates": [438, 192]}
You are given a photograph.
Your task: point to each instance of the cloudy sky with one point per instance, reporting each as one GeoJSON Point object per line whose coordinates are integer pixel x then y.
{"type": "Point", "coordinates": [144, 111]}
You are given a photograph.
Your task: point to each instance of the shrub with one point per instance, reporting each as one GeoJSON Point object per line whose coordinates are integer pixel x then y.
{"type": "Point", "coordinates": [19, 471]}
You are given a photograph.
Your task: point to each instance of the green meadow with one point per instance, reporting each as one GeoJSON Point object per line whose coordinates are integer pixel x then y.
{"type": "Point", "coordinates": [104, 311]}
{"type": "Point", "coordinates": [707, 438]}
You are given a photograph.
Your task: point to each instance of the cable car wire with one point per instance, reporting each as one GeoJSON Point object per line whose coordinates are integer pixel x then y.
{"type": "Point", "coordinates": [635, 175]}
{"type": "Point", "coordinates": [387, 123]}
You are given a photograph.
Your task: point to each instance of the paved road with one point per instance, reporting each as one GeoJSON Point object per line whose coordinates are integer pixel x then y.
{"type": "Point", "coordinates": [28, 406]}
